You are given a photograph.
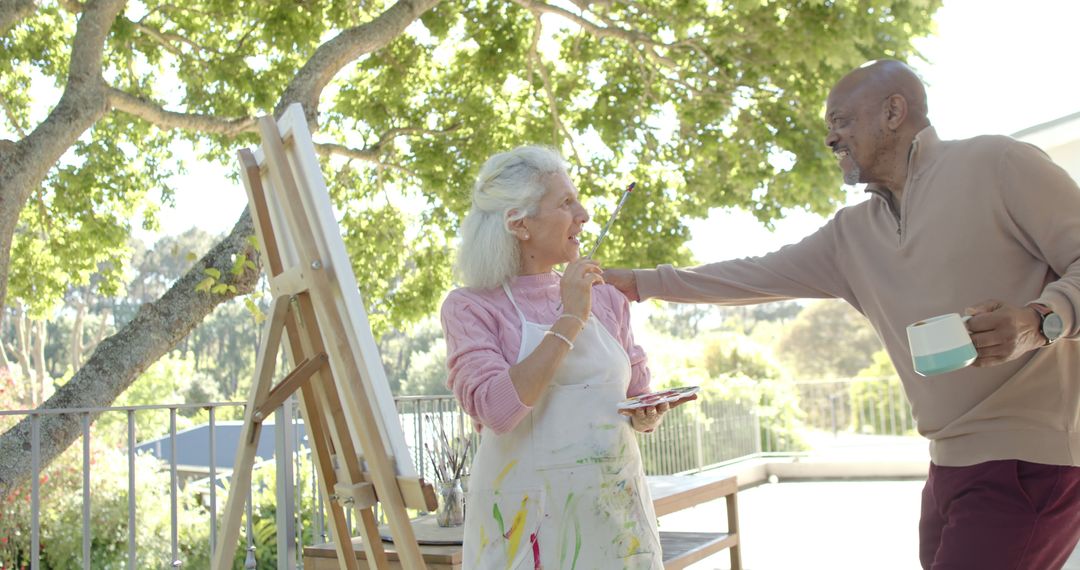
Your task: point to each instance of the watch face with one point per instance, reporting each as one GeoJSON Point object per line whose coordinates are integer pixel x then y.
{"type": "Point", "coordinates": [1052, 327]}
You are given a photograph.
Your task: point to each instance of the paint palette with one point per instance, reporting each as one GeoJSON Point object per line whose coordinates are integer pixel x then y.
{"type": "Point", "coordinates": [656, 398]}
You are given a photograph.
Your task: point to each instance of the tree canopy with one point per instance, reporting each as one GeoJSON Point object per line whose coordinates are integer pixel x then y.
{"type": "Point", "coordinates": [704, 104]}
{"type": "Point", "coordinates": [829, 339]}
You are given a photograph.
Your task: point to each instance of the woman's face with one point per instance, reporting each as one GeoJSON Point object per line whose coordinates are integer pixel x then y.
{"type": "Point", "coordinates": [550, 237]}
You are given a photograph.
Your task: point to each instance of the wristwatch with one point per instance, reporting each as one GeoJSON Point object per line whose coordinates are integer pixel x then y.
{"type": "Point", "coordinates": [1051, 324]}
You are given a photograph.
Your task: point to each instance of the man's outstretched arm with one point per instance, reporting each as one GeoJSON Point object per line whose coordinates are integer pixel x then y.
{"type": "Point", "coordinates": [624, 281]}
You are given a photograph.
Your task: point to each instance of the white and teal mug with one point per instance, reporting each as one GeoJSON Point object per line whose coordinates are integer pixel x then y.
{"type": "Point", "coordinates": [940, 344]}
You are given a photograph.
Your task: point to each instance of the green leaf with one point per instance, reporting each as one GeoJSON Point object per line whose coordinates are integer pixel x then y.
{"type": "Point", "coordinates": [723, 110]}
{"type": "Point", "coordinates": [238, 265]}
{"type": "Point", "coordinates": [205, 285]}
{"type": "Point", "coordinates": [254, 310]}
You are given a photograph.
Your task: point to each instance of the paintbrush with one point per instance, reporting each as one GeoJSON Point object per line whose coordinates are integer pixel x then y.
{"type": "Point", "coordinates": [607, 227]}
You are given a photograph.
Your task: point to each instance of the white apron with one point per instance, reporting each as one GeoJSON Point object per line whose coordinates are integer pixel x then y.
{"type": "Point", "coordinates": [565, 489]}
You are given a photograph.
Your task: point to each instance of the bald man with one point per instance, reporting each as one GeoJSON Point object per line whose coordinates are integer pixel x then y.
{"type": "Point", "coordinates": [989, 227]}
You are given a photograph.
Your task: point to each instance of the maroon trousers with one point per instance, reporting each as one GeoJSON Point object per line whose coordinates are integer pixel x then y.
{"type": "Point", "coordinates": [1000, 514]}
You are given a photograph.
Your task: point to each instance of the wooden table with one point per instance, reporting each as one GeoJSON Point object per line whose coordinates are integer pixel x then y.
{"type": "Point", "coordinates": [670, 493]}
{"type": "Point", "coordinates": [323, 557]}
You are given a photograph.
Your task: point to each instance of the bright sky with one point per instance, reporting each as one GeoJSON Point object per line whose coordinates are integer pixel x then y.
{"type": "Point", "coordinates": [993, 68]}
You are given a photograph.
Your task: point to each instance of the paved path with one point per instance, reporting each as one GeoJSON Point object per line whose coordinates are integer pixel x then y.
{"type": "Point", "coordinates": [832, 525]}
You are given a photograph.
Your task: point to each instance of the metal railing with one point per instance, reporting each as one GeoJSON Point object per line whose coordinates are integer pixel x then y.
{"type": "Point", "coordinates": [87, 496]}
{"type": "Point", "coordinates": [875, 406]}
{"type": "Point", "coordinates": [692, 437]}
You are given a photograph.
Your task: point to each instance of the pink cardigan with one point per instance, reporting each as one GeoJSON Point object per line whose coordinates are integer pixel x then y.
{"type": "Point", "coordinates": [483, 337]}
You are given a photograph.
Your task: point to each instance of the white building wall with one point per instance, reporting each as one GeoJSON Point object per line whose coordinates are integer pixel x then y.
{"type": "Point", "coordinates": [1067, 156]}
{"type": "Point", "coordinates": [1060, 139]}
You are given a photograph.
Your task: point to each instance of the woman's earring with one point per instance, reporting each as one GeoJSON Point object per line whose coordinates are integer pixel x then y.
{"type": "Point", "coordinates": [526, 235]}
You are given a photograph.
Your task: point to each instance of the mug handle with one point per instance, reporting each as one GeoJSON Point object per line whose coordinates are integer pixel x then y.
{"type": "Point", "coordinates": [963, 320]}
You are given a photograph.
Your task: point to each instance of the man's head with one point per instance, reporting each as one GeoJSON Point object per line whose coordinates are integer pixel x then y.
{"type": "Point", "coordinates": [873, 114]}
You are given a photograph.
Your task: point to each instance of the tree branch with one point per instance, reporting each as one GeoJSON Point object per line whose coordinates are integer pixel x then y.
{"type": "Point", "coordinates": [609, 29]}
{"type": "Point", "coordinates": [11, 11]}
{"type": "Point", "coordinates": [155, 114]}
{"type": "Point", "coordinates": [73, 6]}
{"type": "Point", "coordinates": [371, 153]}
{"type": "Point", "coordinates": [82, 104]}
{"type": "Point", "coordinates": [365, 154]}
{"type": "Point", "coordinates": [11, 117]}
{"type": "Point", "coordinates": [169, 40]}
{"type": "Point", "coordinates": [159, 325]}
{"type": "Point", "coordinates": [388, 137]}
{"type": "Point", "coordinates": [558, 130]}
{"type": "Point", "coordinates": [306, 87]}
{"type": "Point", "coordinates": [122, 357]}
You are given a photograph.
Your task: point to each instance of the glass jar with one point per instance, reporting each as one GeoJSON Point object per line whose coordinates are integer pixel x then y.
{"type": "Point", "coordinates": [451, 504]}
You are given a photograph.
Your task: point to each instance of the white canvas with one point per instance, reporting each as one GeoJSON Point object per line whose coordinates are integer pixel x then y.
{"type": "Point", "coordinates": [304, 163]}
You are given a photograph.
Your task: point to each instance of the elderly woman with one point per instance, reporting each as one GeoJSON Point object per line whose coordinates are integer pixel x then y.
{"type": "Point", "coordinates": [540, 361]}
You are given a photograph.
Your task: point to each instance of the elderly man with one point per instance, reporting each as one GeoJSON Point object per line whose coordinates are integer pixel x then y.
{"type": "Point", "coordinates": [987, 226]}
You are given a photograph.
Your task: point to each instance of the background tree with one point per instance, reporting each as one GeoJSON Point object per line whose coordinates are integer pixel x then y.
{"type": "Point", "coordinates": [705, 104]}
{"type": "Point", "coordinates": [415, 359]}
{"type": "Point", "coordinates": [878, 402]}
{"type": "Point", "coordinates": [679, 320]}
{"type": "Point", "coordinates": [828, 339]}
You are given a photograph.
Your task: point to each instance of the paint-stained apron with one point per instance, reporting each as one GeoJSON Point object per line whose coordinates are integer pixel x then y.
{"type": "Point", "coordinates": [565, 489]}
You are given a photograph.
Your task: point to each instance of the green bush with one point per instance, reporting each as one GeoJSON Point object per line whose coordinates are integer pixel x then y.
{"type": "Point", "coordinates": [169, 380]}
{"type": "Point", "coordinates": [264, 514]}
{"type": "Point", "coordinates": [774, 402]}
{"type": "Point", "coordinates": [878, 402]}
{"type": "Point", "coordinates": [61, 516]}
{"type": "Point", "coordinates": [61, 500]}
{"type": "Point", "coordinates": [746, 373]}
{"type": "Point", "coordinates": [61, 512]}
{"type": "Point", "coordinates": [738, 377]}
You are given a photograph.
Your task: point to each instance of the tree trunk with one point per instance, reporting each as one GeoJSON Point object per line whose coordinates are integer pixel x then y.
{"type": "Point", "coordinates": [22, 353]}
{"type": "Point", "coordinates": [76, 346]}
{"type": "Point", "coordinates": [11, 11]}
{"type": "Point", "coordinates": [41, 375]}
{"type": "Point", "coordinates": [122, 357]}
{"type": "Point", "coordinates": [25, 164]}
{"type": "Point", "coordinates": [160, 325]}
{"type": "Point", "coordinates": [103, 327]}
{"type": "Point", "coordinates": [5, 364]}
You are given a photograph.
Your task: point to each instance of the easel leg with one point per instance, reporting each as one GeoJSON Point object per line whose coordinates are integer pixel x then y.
{"type": "Point", "coordinates": [348, 471]}
{"type": "Point", "coordinates": [240, 480]}
{"type": "Point", "coordinates": [330, 436]}
{"type": "Point", "coordinates": [321, 454]}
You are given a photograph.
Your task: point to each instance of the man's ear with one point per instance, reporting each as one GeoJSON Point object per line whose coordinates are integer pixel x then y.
{"type": "Point", "coordinates": [896, 110]}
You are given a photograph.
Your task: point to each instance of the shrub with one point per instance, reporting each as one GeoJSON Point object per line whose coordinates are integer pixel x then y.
{"type": "Point", "coordinates": [61, 512]}
{"type": "Point", "coordinates": [878, 402]}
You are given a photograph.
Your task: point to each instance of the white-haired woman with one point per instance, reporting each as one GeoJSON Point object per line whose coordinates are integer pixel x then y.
{"type": "Point", "coordinates": [540, 361]}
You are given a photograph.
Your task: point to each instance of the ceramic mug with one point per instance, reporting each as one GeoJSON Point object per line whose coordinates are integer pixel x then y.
{"type": "Point", "coordinates": [940, 344]}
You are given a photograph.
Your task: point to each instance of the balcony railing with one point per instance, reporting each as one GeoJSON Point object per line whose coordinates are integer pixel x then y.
{"type": "Point", "coordinates": [692, 438]}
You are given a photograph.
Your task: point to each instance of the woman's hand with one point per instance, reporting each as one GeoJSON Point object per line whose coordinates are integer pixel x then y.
{"type": "Point", "coordinates": [646, 419]}
{"type": "Point", "coordinates": [576, 285]}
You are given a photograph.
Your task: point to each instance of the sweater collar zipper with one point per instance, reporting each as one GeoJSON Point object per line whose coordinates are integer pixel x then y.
{"type": "Point", "coordinates": [887, 195]}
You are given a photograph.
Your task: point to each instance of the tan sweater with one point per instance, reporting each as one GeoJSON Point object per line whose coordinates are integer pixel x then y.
{"type": "Point", "coordinates": [983, 218]}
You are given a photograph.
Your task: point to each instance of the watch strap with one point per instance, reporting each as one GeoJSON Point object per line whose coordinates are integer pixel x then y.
{"type": "Point", "coordinates": [1042, 310]}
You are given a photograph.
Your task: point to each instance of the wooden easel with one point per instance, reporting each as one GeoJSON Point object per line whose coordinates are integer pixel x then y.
{"type": "Point", "coordinates": [329, 341]}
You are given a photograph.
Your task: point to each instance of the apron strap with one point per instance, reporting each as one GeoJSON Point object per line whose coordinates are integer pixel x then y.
{"type": "Point", "coordinates": [514, 303]}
